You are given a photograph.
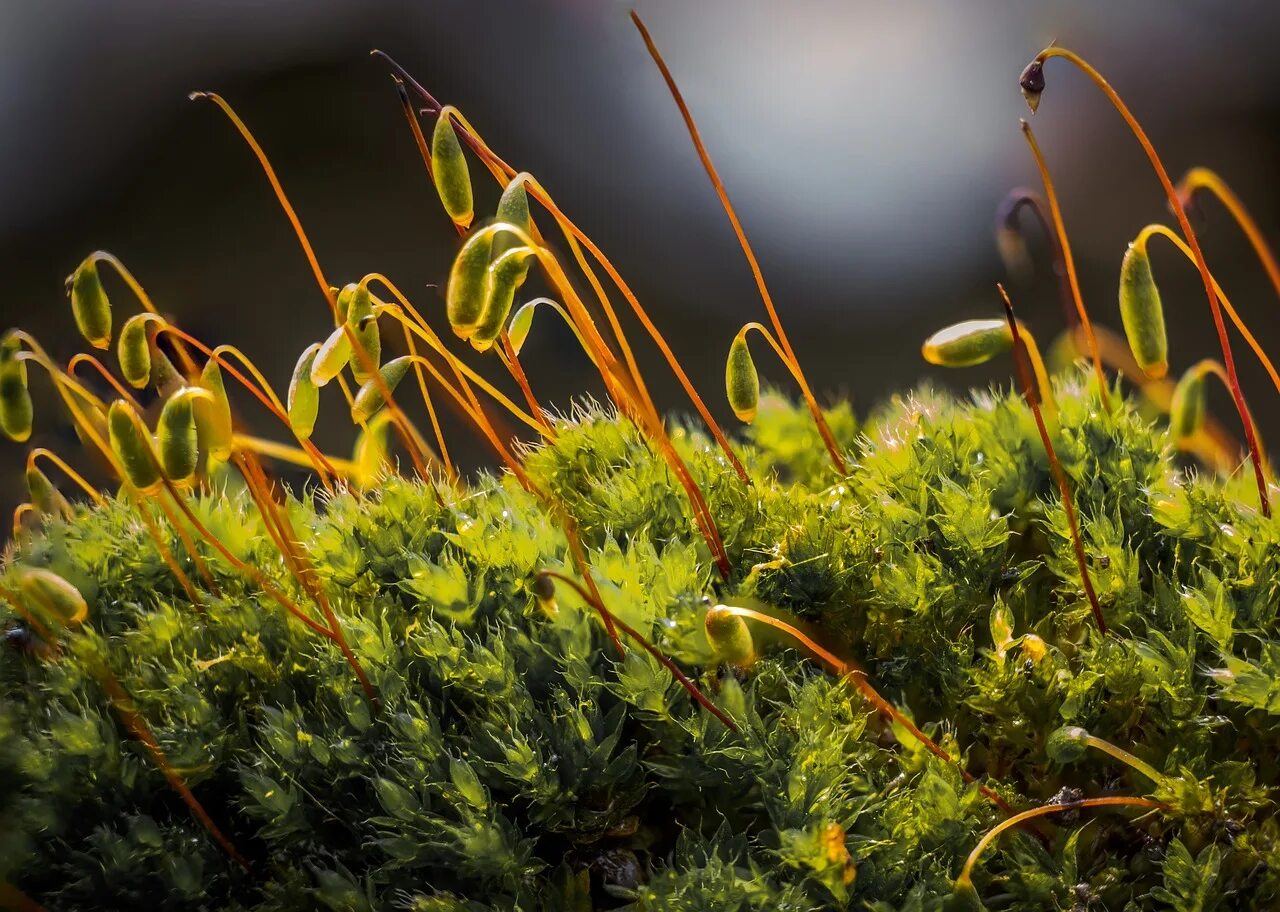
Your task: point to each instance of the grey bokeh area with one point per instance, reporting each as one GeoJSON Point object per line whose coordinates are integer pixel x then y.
{"type": "Point", "coordinates": [866, 145]}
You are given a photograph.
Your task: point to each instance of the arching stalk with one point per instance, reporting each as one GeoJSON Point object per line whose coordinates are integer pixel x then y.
{"type": "Point", "coordinates": [1068, 261]}
{"type": "Point", "coordinates": [1032, 82]}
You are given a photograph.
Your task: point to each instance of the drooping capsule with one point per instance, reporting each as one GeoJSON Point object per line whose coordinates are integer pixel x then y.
{"type": "Point", "coordinates": [1142, 313]}
{"type": "Point", "coordinates": [365, 328]}
{"type": "Point", "coordinates": [304, 395]}
{"type": "Point", "coordinates": [133, 350]}
{"type": "Point", "coordinates": [371, 456]}
{"type": "Point", "coordinates": [55, 598]}
{"type": "Point", "coordinates": [213, 414]}
{"type": "Point", "coordinates": [741, 381]}
{"type": "Point", "coordinates": [464, 296]}
{"type": "Point", "coordinates": [521, 323]}
{"type": "Point", "coordinates": [449, 170]}
{"type": "Point", "coordinates": [730, 637]}
{"type": "Point", "coordinates": [89, 304]}
{"type": "Point", "coordinates": [1066, 744]}
{"type": "Point", "coordinates": [176, 438]}
{"type": "Point", "coordinates": [506, 274]}
{"type": "Point", "coordinates": [45, 496]}
{"type": "Point", "coordinates": [16, 410]}
{"type": "Point", "coordinates": [1190, 401]}
{"type": "Point", "coordinates": [334, 353]}
{"type": "Point", "coordinates": [132, 447]}
{"type": "Point", "coordinates": [968, 343]}
{"type": "Point", "coordinates": [370, 398]}
{"type": "Point", "coordinates": [544, 590]}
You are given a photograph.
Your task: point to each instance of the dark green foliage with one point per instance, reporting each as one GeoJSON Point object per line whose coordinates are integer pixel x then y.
{"type": "Point", "coordinates": [517, 763]}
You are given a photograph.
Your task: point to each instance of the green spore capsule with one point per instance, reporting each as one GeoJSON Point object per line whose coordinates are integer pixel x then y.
{"type": "Point", "coordinates": [371, 457]}
{"type": "Point", "coordinates": [370, 399]}
{"type": "Point", "coordinates": [1067, 744]}
{"type": "Point", "coordinates": [450, 172]}
{"type": "Point", "coordinates": [1142, 313]}
{"type": "Point", "coordinates": [16, 411]}
{"type": "Point", "coordinates": [464, 297]}
{"type": "Point", "coordinates": [741, 380]}
{"type": "Point", "coordinates": [213, 414]}
{"type": "Point", "coordinates": [56, 598]}
{"type": "Point", "coordinates": [729, 637]}
{"type": "Point", "coordinates": [132, 447]}
{"type": "Point", "coordinates": [1190, 401]}
{"type": "Point", "coordinates": [334, 353]}
{"type": "Point", "coordinates": [968, 343]}
{"type": "Point", "coordinates": [506, 275]}
{"type": "Point", "coordinates": [365, 328]}
{"type": "Point", "coordinates": [133, 350]}
{"type": "Point", "coordinates": [44, 495]}
{"type": "Point", "coordinates": [176, 437]}
{"type": "Point", "coordinates": [89, 304]}
{"type": "Point", "coordinates": [304, 395]}
{"type": "Point", "coordinates": [513, 209]}
{"type": "Point", "coordinates": [521, 323]}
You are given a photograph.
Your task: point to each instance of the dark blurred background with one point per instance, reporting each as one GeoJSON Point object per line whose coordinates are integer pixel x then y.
{"type": "Point", "coordinates": [866, 145]}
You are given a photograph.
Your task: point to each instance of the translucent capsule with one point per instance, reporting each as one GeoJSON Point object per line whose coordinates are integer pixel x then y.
{"type": "Point", "coordinates": [44, 495]}
{"type": "Point", "coordinates": [176, 438]}
{"type": "Point", "coordinates": [1066, 744]}
{"type": "Point", "coordinates": [506, 274]}
{"type": "Point", "coordinates": [741, 381]}
{"type": "Point", "coordinates": [334, 353]}
{"type": "Point", "coordinates": [513, 209]}
{"type": "Point", "coordinates": [89, 304]}
{"type": "Point", "coordinates": [464, 296]}
{"type": "Point", "coordinates": [133, 350]}
{"type": "Point", "coordinates": [365, 328]}
{"type": "Point", "coordinates": [968, 343]}
{"type": "Point", "coordinates": [729, 637]}
{"type": "Point", "coordinates": [370, 398]}
{"type": "Point", "coordinates": [450, 172]}
{"type": "Point", "coordinates": [1190, 401]}
{"type": "Point", "coordinates": [16, 410]}
{"type": "Point", "coordinates": [304, 395]}
{"type": "Point", "coordinates": [371, 457]}
{"type": "Point", "coordinates": [213, 414]}
{"type": "Point", "coordinates": [55, 598]}
{"type": "Point", "coordinates": [521, 323]}
{"type": "Point", "coordinates": [1142, 313]}
{"type": "Point", "coordinates": [132, 447]}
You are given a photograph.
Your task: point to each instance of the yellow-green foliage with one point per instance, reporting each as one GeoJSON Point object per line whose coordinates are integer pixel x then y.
{"type": "Point", "coordinates": [517, 762]}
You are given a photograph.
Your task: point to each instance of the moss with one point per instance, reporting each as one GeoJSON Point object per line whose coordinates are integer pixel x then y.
{"type": "Point", "coordinates": [517, 762]}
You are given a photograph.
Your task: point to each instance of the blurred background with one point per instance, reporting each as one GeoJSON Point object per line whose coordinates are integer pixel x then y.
{"type": "Point", "coordinates": [865, 144]}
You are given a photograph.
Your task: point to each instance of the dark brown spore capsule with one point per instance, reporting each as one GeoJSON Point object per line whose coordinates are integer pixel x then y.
{"type": "Point", "coordinates": [1032, 83]}
{"type": "Point", "coordinates": [544, 587]}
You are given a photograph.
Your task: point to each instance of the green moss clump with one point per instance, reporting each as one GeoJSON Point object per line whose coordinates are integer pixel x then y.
{"type": "Point", "coordinates": [518, 763]}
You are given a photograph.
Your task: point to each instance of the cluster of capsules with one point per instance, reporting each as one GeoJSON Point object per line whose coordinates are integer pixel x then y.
{"type": "Point", "coordinates": [197, 433]}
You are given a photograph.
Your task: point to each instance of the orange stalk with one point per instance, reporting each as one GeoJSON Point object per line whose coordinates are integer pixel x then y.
{"type": "Point", "coordinates": [1007, 221]}
{"type": "Point", "coordinates": [608, 616]}
{"type": "Point", "coordinates": [964, 881]}
{"type": "Point", "coordinates": [827, 437]}
{"type": "Point", "coordinates": [1032, 82]}
{"type": "Point", "coordinates": [1068, 261]}
{"type": "Point", "coordinates": [858, 677]}
{"type": "Point", "coordinates": [121, 390]}
{"type": "Point", "coordinates": [286, 539]}
{"type": "Point", "coordinates": [1203, 178]}
{"type": "Point", "coordinates": [357, 346]}
{"type": "Point", "coordinates": [1055, 467]}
